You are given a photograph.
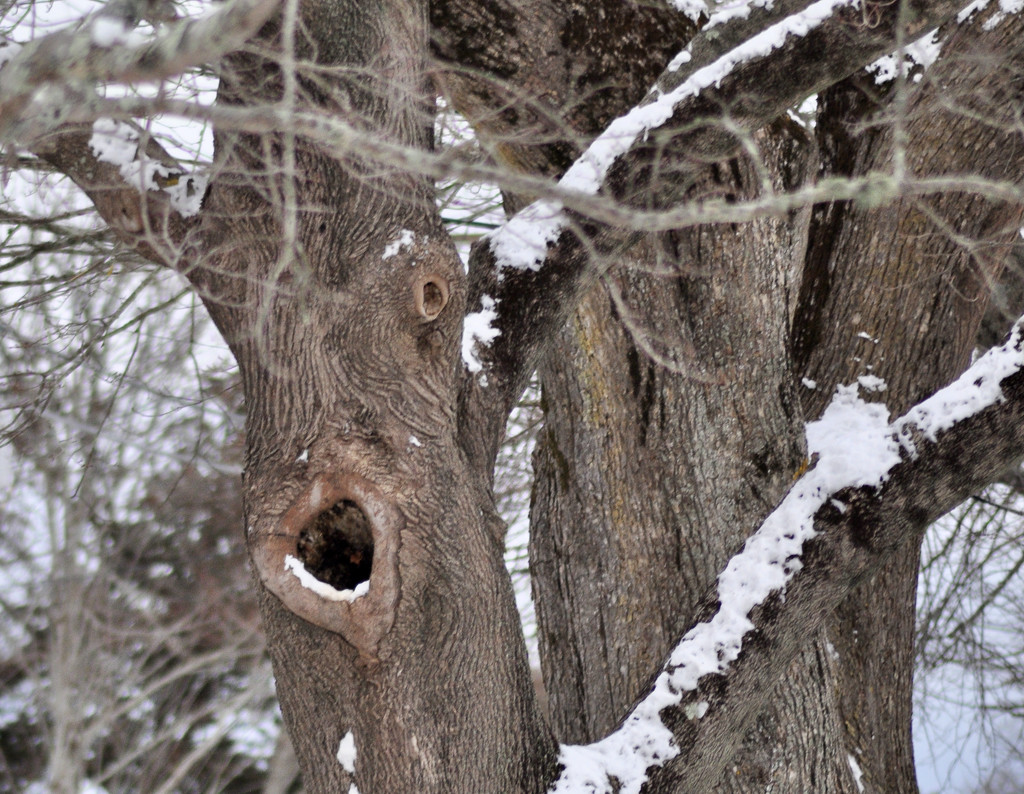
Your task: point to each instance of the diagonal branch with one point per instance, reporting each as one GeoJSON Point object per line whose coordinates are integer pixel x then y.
{"type": "Point", "coordinates": [875, 486]}
{"type": "Point", "coordinates": [539, 264]}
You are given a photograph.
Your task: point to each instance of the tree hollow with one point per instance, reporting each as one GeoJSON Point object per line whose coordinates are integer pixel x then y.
{"type": "Point", "coordinates": [337, 546]}
{"type": "Point", "coordinates": [344, 532]}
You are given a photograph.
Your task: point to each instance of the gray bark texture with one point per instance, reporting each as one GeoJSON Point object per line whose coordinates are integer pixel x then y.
{"type": "Point", "coordinates": [678, 368]}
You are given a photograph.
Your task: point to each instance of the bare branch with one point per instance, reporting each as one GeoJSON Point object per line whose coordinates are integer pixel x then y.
{"type": "Point", "coordinates": [38, 82]}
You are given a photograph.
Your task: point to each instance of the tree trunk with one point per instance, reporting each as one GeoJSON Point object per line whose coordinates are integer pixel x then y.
{"type": "Point", "coordinates": [346, 355]}
{"type": "Point", "coordinates": [718, 452]}
{"type": "Point", "coordinates": [913, 290]}
{"type": "Point", "coordinates": [633, 477]}
{"type": "Point", "coordinates": [650, 476]}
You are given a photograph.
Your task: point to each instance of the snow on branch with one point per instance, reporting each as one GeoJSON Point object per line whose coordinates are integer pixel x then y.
{"type": "Point", "coordinates": [1006, 7]}
{"type": "Point", "coordinates": [148, 200]}
{"type": "Point", "coordinates": [477, 329]}
{"type": "Point", "coordinates": [118, 143]}
{"type": "Point", "coordinates": [523, 241]}
{"type": "Point", "coordinates": [856, 446]}
{"type": "Point", "coordinates": [757, 79]}
{"type": "Point", "coordinates": [38, 79]}
{"type": "Point", "coordinates": [547, 256]}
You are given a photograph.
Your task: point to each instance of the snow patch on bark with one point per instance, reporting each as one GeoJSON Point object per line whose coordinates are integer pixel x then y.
{"type": "Point", "coordinates": [478, 329]}
{"type": "Point", "coordinates": [117, 143]}
{"type": "Point", "coordinates": [677, 62]}
{"type": "Point", "coordinates": [522, 242]}
{"type": "Point", "coordinates": [871, 383]}
{"type": "Point", "coordinates": [322, 589]}
{"type": "Point", "coordinates": [346, 756]}
{"type": "Point", "coordinates": [347, 753]}
{"type": "Point", "coordinates": [858, 773]}
{"type": "Point", "coordinates": [736, 9]}
{"type": "Point", "coordinates": [695, 711]}
{"type": "Point", "coordinates": [692, 8]}
{"type": "Point", "coordinates": [971, 10]}
{"type": "Point", "coordinates": [1006, 7]}
{"type": "Point", "coordinates": [856, 446]}
{"type": "Point", "coordinates": [923, 52]}
{"type": "Point", "coordinates": [405, 238]}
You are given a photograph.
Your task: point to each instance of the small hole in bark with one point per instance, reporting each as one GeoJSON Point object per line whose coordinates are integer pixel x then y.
{"type": "Point", "coordinates": [433, 299]}
{"type": "Point", "coordinates": [431, 296]}
{"type": "Point", "coordinates": [337, 546]}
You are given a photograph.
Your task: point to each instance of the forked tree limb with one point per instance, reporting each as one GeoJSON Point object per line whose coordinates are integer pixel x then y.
{"type": "Point", "coordinates": [536, 298]}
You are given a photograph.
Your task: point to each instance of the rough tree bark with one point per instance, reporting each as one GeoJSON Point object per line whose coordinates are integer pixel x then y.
{"type": "Point", "coordinates": [956, 122]}
{"type": "Point", "coordinates": [632, 477]}
{"type": "Point", "coordinates": [347, 357]}
{"type": "Point", "coordinates": [611, 425]}
{"type": "Point", "coordinates": [674, 369]}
